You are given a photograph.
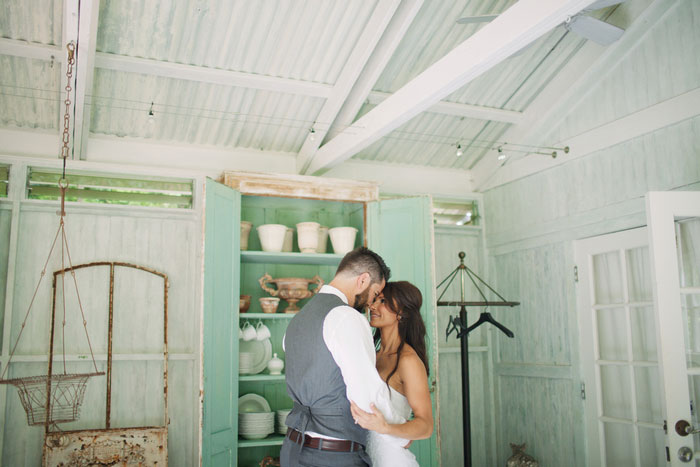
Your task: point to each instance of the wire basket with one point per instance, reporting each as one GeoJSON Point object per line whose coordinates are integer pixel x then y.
{"type": "Point", "coordinates": [51, 399]}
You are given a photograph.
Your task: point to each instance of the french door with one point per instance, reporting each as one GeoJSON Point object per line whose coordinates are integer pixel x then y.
{"type": "Point", "coordinates": [674, 233]}
{"type": "Point", "coordinates": [623, 406]}
{"type": "Point", "coordinates": [639, 318]}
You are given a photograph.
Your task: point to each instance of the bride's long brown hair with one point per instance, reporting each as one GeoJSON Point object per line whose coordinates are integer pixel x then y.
{"type": "Point", "coordinates": [405, 300]}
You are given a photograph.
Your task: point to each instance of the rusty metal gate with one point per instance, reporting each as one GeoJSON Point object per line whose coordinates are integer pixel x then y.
{"type": "Point", "coordinates": [133, 446]}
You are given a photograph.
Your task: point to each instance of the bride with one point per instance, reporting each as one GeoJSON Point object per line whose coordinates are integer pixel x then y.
{"type": "Point", "coordinates": [403, 364]}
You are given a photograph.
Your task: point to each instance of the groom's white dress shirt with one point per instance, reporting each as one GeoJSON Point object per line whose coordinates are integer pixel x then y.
{"type": "Point", "coordinates": [348, 336]}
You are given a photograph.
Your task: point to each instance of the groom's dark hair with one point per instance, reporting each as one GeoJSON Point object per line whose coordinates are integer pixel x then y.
{"type": "Point", "coordinates": [361, 260]}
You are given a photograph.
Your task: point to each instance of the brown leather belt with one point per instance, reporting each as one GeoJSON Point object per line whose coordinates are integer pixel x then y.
{"type": "Point", "coordinates": [335, 445]}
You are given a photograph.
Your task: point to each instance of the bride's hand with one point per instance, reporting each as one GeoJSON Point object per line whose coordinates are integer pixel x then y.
{"type": "Point", "coordinates": [370, 421]}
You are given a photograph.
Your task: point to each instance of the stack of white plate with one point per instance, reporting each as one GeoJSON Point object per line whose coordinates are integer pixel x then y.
{"type": "Point", "coordinates": [256, 425]}
{"type": "Point", "coordinates": [246, 362]}
{"type": "Point", "coordinates": [253, 356]}
{"type": "Point", "coordinates": [281, 418]}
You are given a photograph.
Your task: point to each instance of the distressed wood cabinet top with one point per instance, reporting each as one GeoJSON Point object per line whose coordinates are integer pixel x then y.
{"type": "Point", "coordinates": [301, 186]}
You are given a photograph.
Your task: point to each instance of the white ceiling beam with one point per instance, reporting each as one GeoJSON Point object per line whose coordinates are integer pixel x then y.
{"type": "Point", "coordinates": [460, 110]}
{"type": "Point", "coordinates": [85, 72]}
{"type": "Point", "coordinates": [395, 31]}
{"type": "Point", "coordinates": [70, 34]}
{"type": "Point", "coordinates": [358, 96]}
{"type": "Point", "coordinates": [377, 24]}
{"type": "Point", "coordinates": [17, 48]}
{"type": "Point", "coordinates": [568, 88]}
{"type": "Point", "coordinates": [515, 28]}
{"type": "Point", "coordinates": [210, 75]}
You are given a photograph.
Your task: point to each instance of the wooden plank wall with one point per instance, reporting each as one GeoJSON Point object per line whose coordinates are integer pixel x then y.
{"type": "Point", "coordinates": [532, 223]}
{"type": "Point", "coordinates": [449, 241]}
{"type": "Point", "coordinates": [165, 240]}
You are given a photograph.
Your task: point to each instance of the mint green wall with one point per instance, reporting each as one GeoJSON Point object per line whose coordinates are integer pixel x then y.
{"type": "Point", "coordinates": [532, 222]}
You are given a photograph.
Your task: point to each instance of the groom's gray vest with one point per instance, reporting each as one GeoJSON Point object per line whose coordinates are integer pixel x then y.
{"type": "Point", "coordinates": [314, 380]}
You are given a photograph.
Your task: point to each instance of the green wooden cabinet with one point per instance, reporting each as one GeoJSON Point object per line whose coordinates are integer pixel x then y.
{"type": "Point", "coordinates": [400, 230]}
{"type": "Point", "coordinates": [221, 272]}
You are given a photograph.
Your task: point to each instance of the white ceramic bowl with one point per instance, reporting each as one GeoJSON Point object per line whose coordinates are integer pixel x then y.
{"type": "Point", "coordinates": [272, 236]}
{"type": "Point", "coordinates": [307, 236]}
{"type": "Point", "coordinates": [245, 233]}
{"type": "Point", "coordinates": [342, 239]}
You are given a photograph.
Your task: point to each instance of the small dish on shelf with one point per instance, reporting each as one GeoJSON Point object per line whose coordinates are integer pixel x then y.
{"type": "Point", "coordinates": [244, 303]}
{"type": "Point", "coordinates": [269, 304]}
{"type": "Point", "coordinates": [252, 402]}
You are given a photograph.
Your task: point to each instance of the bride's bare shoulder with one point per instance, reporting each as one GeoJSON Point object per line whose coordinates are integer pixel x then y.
{"type": "Point", "coordinates": [410, 361]}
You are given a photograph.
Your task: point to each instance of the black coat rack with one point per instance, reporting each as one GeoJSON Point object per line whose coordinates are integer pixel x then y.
{"type": "Point", "coordinates": [459, 324]}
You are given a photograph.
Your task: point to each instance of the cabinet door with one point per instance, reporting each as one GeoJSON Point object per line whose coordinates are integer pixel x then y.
{"type": "Point", "coordinates": [401, 231]}
{"type": "Point", "coordinates": [222, 213]}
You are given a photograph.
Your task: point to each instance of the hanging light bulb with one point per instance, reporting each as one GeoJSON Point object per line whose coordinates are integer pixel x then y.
{"type": "Point", "coordinates": [459, 150]}
{"type": "Point", "coordinates": [151, 115]}
{"type": "Point", "coordinates": [501, 156]}
{"type": "Point", "coordinates": [312, 134]}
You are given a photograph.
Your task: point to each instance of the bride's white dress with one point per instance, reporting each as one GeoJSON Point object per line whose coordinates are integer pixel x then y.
{"type": "Point", "coordinates": [384, 450]}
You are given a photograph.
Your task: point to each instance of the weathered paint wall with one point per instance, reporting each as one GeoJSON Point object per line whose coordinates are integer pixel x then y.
{"type": "Point", "coordinates": [164, 240]}
{"type": "Point", "coordinates": [449, 241]}
{"type": "Point", "coordinates": [532, 222]}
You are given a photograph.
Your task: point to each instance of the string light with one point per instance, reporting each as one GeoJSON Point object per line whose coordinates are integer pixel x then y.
{"type": "Point", "coordinates": [287, 122]}
{"type": "Point", "coordinates": [151, 115]}
{"type": "Point", "coordinates": [501, 156]}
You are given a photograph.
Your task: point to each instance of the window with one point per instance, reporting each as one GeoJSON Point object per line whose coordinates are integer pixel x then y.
{"type": "Point", "coordinates": [455, 213]}
{"type": "Point", "coordinates": [111, 189]}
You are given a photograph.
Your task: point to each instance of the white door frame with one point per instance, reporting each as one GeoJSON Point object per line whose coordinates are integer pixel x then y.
{"type": "Point", "coordinates": [663, 208]}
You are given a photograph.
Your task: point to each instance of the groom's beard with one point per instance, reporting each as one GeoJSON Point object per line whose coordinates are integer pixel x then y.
{"type": "Point", "coordinates": [361, 301]}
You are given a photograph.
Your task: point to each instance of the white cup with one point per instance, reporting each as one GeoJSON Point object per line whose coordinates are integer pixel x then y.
{"type": "Point", "coordinates": [262, 331]}
{"type": "Point", "coordinates": [249, 332]}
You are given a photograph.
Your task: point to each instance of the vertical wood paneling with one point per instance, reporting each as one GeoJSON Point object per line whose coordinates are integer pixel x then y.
{"type": "Point", "coordinates": [167, 245]}
{"type": "Point", "coordinates": [532, 221]}
{"type": "Point", "coordinates": [670, 45]}
{"type": "Point", "coordinates": [448, 243]}
{"type": "Point", "coordinates": [538, 280]}
{"type": "Point", "coordinates": [551, 201]}
{"type": "Point", "coordinates": [539, 412]}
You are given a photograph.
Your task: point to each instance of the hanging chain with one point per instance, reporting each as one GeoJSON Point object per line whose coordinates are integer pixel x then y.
{"type": "Point", "coordinates": [66, 115]}
{"type": "Point", "coordinates": [62, 182]}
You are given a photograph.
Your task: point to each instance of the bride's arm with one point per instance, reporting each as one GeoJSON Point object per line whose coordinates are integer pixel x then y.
{"type": "Point", "coordinates": [415, 382]}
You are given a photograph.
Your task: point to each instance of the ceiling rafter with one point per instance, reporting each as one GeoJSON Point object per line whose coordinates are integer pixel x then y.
{"type": "Point", "coordinates": [515, 28]}
{"type": "Point", "coordinates": [456, 109]}
{"type": "Point", "coordinates": [395, 31]}
{"type": "Point", "coordinates": [85, 72]}
{"type": "Point", "coordinates": [377, 24]}
{"type": "Point", "coordinates": [562, 94]}
{"type": "Point", "coordinates": [211, 75]}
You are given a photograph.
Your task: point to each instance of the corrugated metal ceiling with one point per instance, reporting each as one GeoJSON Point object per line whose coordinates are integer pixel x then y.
{"type": "Point", "coordinates": [301, 40]}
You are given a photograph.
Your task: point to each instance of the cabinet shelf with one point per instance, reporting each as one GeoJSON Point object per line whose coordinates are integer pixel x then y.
{"type": "Point", "coordinates": [323, 259]}
{"type": "Point", "coordinates": [266, 316]}
{"type": "Point", "coordinates": [272, 440]}
{"type": "Point", "coordinates": [261, 377]}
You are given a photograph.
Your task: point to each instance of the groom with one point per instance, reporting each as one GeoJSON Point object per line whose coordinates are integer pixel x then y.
{"type": "Point", "coordinates": [330, 359]}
